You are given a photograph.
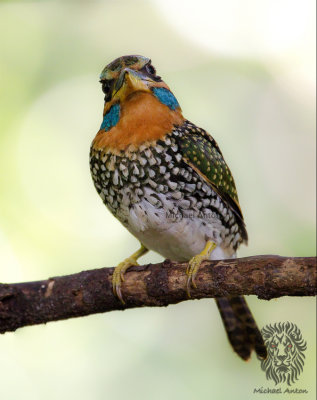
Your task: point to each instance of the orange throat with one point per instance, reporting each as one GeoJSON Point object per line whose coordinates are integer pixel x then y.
{"type": "Point", "coordinates": [143, 118]}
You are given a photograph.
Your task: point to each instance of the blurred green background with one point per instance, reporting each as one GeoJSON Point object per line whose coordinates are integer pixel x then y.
{"type": "Point", "coordinates": [243, 70]}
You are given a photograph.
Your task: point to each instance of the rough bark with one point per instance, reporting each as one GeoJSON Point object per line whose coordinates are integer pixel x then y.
{"type": "Point", "coordinates": [90, 292]}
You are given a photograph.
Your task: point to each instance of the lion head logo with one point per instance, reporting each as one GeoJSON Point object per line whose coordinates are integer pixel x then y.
{"type": "Point", "coordinates": [285, 347]}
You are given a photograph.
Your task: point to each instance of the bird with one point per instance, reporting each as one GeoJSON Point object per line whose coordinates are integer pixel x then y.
{"type": "Point", "coordinates": [165, 179]}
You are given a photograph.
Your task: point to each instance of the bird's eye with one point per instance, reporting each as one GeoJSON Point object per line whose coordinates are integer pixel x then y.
{"type": "Point", "coordinates": [106, 88]}
{"type": "Point", "coordinates": [150, 69]}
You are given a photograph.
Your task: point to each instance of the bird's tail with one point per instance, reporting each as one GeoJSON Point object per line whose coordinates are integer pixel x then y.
{"type": "Point", "coordinates": [241, 328]}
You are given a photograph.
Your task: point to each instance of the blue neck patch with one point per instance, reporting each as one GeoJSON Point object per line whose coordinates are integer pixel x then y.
{"type": "Point", "coordinates": [166, 97]}
{"type": "Point", "coordinates": [111, 118]}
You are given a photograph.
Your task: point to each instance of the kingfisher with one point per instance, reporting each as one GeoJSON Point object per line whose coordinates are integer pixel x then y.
{"type": "Point", "coordinates": [167, 182]}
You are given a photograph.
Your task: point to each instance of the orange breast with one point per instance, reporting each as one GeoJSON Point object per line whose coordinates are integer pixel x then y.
{"type": "Point", "coordinates": [142, 118]}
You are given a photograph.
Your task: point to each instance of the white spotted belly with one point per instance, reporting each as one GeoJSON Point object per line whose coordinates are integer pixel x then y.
{"type": "Point", "coordinates": [174, 235]}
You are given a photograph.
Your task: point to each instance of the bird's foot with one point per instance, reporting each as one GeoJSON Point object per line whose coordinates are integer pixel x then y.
{"type": "Point", "coordinates": [195, 263]}
{"type": "Point", "coordinates": [118, 276]}
{"type": "Point", "coordinates": [118, 273]}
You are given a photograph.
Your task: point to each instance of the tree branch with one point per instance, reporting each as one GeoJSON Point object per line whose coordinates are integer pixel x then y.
{"type": "Point", "coordinates": [157, 285]}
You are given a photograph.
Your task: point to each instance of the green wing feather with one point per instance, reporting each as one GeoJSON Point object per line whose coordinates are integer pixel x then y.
{"type": "Point", "coordinates": [201, 152]}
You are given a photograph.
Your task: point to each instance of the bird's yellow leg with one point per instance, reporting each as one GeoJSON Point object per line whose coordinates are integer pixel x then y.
{"type": "Point", "coordinates": [194, 265]}
{"type": "Point", "coordinates": [118, 274]}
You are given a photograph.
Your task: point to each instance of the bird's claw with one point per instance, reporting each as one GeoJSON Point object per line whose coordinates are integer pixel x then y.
{"type": "Point", "coordinates": [194, 265]}
{"type": "Point", "coordinates": [118, 276]}
{"type": "Point", "coordinates": [191, 271]}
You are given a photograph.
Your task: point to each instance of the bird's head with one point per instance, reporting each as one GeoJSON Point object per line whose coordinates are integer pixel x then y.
{"type": "Point", "coordinates": [128, 75]}
{"type": "Point", "coordinates": [139, 106]}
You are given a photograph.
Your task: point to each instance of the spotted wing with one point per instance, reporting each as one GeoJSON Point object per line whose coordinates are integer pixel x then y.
{"type": "Point", "coordinates": [202, 153]}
